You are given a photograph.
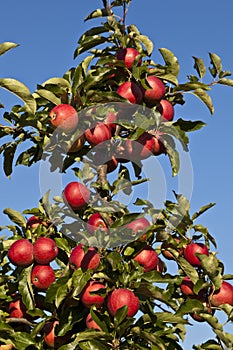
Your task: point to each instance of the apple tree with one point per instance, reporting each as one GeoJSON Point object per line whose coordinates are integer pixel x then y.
{"type": "Point", "coordinates": [82, 269]}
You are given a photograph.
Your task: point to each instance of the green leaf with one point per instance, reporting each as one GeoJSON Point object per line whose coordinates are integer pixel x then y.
{"type": "Point", "coordinates": [147, 43]}
{"type": "Point", "coordinates": [58, 81]}
{"type": "Point", "coordinates": [25, 288]}
{"type": "Point", "coordinates": [202, 210]}
{"type": "Point", "coordinates": [120, 315]}
{"type": "Point", "coordinates": [48, 95]}
{"type": "Point", "coordinates": [171, 61]}
{"type": "Point", "coordinates": [200, 66]}
{"type": "Point", "coordinates": [6, 46]}
{"type": "Point", "coordinates": [202, 95]}
{"type": "Point", "coordinates": [24, 340]}
{"type": "Point", "coordinates": [97, 13]}
{"type": "Point", "coordinates": [215, 60]}
{"type": "Point", "coordinates": [173, 154]}
{"type": "Point", "coordinates": [15, 216]}
{"type": "Point", "coordinates": [8, 155]}
{"type": "Point", "coordinates": [189, 125]}
{"type": "Point", "coordinates": [21, 91]}
{"type": "Point", "coordinates": [225, 81]}
{"type": "Point", "coordinates": [89, 43]}
{"type": "Point", "coordinates": [188, 269]}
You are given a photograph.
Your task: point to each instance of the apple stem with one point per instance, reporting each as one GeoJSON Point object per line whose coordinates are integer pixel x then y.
{"type": "Point", "coordinates": [102, 180]}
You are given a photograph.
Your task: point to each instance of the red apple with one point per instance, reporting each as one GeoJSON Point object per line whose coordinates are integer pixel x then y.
{"type": "Point", "coordinates": [192, 249]}
{"type": "Point", "coordinates": [124, 152]}
{"type": "Point", "coordinates": [207, 309]}
{"type": "Point", "coordinates": [138, 225]}
{"type": "Point", "coordinates": [91, 324]}
{"type": "Point", "coordinates": [76, 195]}
{"type": "Point", "coordinates": [224, 295]}
{"type": "Point", "coordinates": [147, 145]}
{"type": "Point", "coordinates": [147, 258]}
{"type": "Point", "coordinates": [45, 250]}
{"type": "Point", "coordinates": [64, 117]}
{"type": "Point", "coordinates": [123, 297]}
{"type": "Point", "coordinates": [95, 222]}
{"type": "Point", "coordinates": [34, 222]}
{"type": "Point", "coordinates": [166, 110]}
{"type": "Point", "coordinates": [110, 119]}
{"type": "Point", "coordinates": [187, 289]}
{"type": "Point", "coordinates": [166, 253]}
{"type": "Point", "coordinates": [156, 92]}
{"type": "Point", "coordinates": [128, 55]}
{"type": "Point", "coordinates": [89, 297]}
{"type": "Point", "coordinates": [86, 260]}
{"type": "Point", "coordinates": [16, 308]}
{"type": "Point", "coordinates": [6, 347]}
{"type": "Point", "coordinates": [131, 91]}
{"type": "Point", "coordinates": [49, 330]}
{"type": "Point", "coordinates": [98, 134]}
{"type": "Point", "coordinates": [21, 253]}
{"type": "Point", "coordinates": [42, 276]}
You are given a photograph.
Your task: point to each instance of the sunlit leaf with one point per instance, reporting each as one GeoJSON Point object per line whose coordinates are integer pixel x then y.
{"type": "Point", "coordinates": [6, 46]}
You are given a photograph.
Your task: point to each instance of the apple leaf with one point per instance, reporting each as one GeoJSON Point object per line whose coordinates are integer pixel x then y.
{"type": "Point", "coordinates": [6, 46]}
{"type": "Point", "coordinates": [25, 288]}
{"type": "Point", "coordinates": [48, 95]}
{"type": "Point", "coordinates": [225, 81]}
{"type": "Point", "coordinates": [189, 125]}
{"type": "Point", "coordinates": [199, 66]}
{"type": "Point", "coordinates": [202, 95]}
{"type": "Point", "coordinates": [97, 13]}
{"type": "Point", "coordinates": [15, 216]}
{"type": "Point", "coordinates": [21, 91]}
{"type": "Point", "coordinates": [215, 60]}
{"type": "Point", "coordinates": [171, 61]}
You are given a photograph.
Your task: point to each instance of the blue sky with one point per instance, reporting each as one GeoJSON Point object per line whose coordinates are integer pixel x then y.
{"type": "Point", "coordinates": [47, 32]}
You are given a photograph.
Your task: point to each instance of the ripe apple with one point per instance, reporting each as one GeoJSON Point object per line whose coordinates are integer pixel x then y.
{"type": "Point", "coordinates": [187, 289]}
{"type": "Point", "coordinates": [128, 55]}
{"type": "Point", "coordinates": [21, 253]}
{"type": "Point", "coordinates": [166, 110]}
{"type": "Point", "coordinates": [95, 222]}
{"type": "Point", "coordinates": [131, 91]}
{"type": "Point", "coordinates": [124, 152]}
{"type": "Point", "coordinates": [91, 324]}
{"type": "Point", "coordinates": [207, 309]}
{"type": "Point", "coordinates": [6, 347]}
{"type": "Point", "coordinates": [147, 258]}
{"type": "Point", "coordinates": [147, 145]}
{"type": "Point", "coordinates": [123, 297]}
{"type": "Point", "coordinates": [64, 117]}
{"type": "Point", "coordinates": [17, 309]}
{"type": "Point", "coordinates": [98, 134]}
{"type": "Point", "coordinates": [153, 95]}
{"type": "Point", "coordinates": [49, 330]}
{"type": "Point", "coordinates": [45, 250]}
{"type": "Point", "coordinates": [138, 225]}
{"type": "Point", "coordinates": [89, 297]}
{"type": "Point", "coordinates": [42, 276]}
{"type": "Point", "coordinates": [110, 120]}
{"type": "Point", "coordinates": [34, 222]}
{"type": "Point", "coordinates": [166, 253]}
{"type": "Point", "coordinates": [224, 295]}
{"type": "Point", "coordinates": [76, 195]}
{"type": "Point", "coordinates": [86, 260]}
{"type": "Point", "coordinates": [192, 249]}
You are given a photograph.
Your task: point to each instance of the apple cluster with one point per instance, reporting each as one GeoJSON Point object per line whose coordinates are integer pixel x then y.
{"type": "Point", "coordinates": [40, 254]}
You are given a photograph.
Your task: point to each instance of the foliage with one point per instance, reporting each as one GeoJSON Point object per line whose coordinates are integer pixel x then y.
{"type": "Point", "coordinates": [28, 137]}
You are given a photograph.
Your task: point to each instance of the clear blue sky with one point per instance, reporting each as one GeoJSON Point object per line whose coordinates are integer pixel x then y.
{"type": "Point", "coordinates": [47, 32]}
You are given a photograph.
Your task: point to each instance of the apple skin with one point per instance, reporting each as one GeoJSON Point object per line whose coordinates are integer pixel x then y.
{"type": "Point", "coordinates": [191, 249]}
{"type": "Point", "coordinates": [45, 250]}
{"type": "Point", "coordinates": [87, 261]}
{"type": "Point", "coordinates": [49, 330]}
{"type": "Point", "coordinates": [224, 295]}
{"type": "Point", "coordinates": [89, 298]}
{"type": "Point", "coordinates": [187, 289]}
{"type": "Point", "coordinates": [166, 110]}
{"type": "Point", "coordinates": [128, 55]}
{"type": "Point", "coordinates": [34, 222]}
{"type": "Point", "coordinates": [131, 91]}
{"type": "Point", "coordinates": [98, 134]}
{"type": "Point", "coordinates": [64, 117]}
{"type": "Point", "coordinates": [6, 347]}
{"type": "Point", "coordinates": [155, 94]}
{"type": "Point", "coordinates": [76, 195]}
{"type": "Point", "coordinates": [95, 222]}
{"type": "Point", "coordinates": [123, 297]}
{"type": "Point", "coordinates": [42, 276]}
{"type": "Point", "coordinates": [147, 258]}
{"type": "Point", "coordinates": [138, 225]}
{"type": "Point", "coordinates": [16, 308]}
{"type": "Point", "coordinates": [147, 145]}
{"type": "Point", "coordinates": [21, 253]}
{"type": "Point", "coordinates": [91, 324]}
